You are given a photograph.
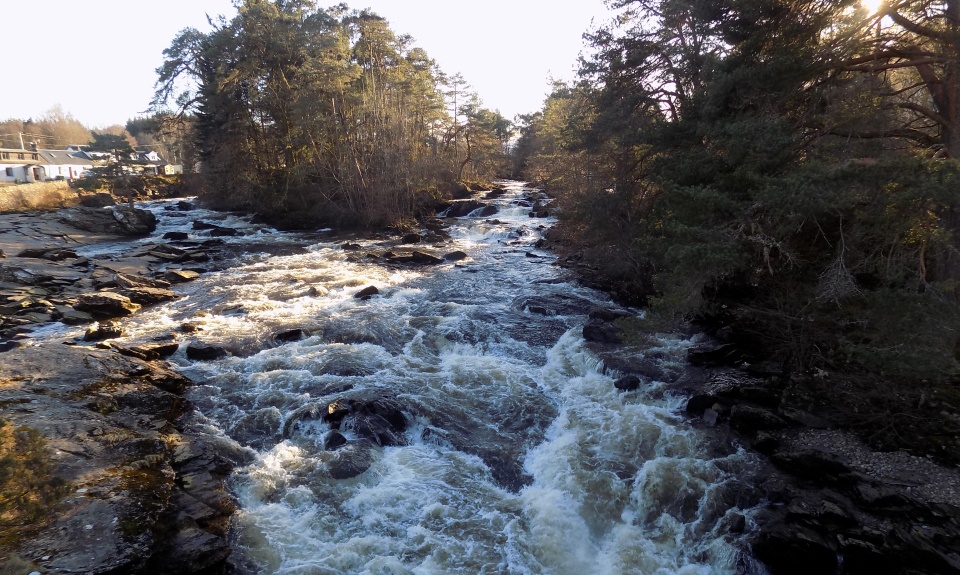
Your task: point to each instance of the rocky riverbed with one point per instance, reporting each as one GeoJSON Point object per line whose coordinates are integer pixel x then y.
{"type": "Point", "coordinates": [144, 473]}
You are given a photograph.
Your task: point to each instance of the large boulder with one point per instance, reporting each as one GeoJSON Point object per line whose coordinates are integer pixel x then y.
{"type": "Point", "coordinates": [460, 209]}
{"type": "Point", "coordinates": [122, 220]}
{"type": "Point", "coordinates": [105, 305]}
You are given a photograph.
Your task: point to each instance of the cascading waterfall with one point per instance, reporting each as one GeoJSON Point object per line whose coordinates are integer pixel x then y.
{"type": "Point", "coordinates": [516, 454]}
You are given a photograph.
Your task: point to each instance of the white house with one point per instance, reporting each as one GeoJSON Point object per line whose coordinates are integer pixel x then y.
{"type": "Point", "coordinates": [64, 164]}
{"type": "Point", "coordinates": [20, 165]}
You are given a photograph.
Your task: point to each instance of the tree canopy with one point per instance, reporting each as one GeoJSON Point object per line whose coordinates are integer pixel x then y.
{"type": "Point", "coordinates": [790, 169]}
{"type": "Point", "coordinates": [325, 114]}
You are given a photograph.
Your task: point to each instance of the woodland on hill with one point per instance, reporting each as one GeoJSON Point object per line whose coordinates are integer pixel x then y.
{"type": "Point", "coordinates": [789, 171]}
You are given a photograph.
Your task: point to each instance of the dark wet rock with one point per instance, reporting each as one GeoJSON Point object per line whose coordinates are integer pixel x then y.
{"type": "Point", "coordinates": [700, 402]}
{"type": "Point", "coordinates": [461, 208]}
{"type": "Point", "coordinates": [122, 220]}
{"type": "Point", "coordinates": [219, 232]}
{"type": "Point", "coordinates": [812, 464]}
{"type": "Point", "coordinates": [202, 352]}
{"type": "Point", "coordinates": [495, 193]}
{"type": "Point", "coordinates": [202, 225]}
{"type": "Point", "coordinates": [334, 441]}
{"type": "Point", "coordinates": [378, 419]}
{"type": "Point", "coordinates": [627, 383]}
{"type": "Point", "coordinates": [176, 236]}
{"type": "Point", "coordinates": [71, 316]}
{"type": "Point", "coordinates": [260, 429]}
{"type": "Point", "coordinates": [103, 330]}
{"type": "Point", "coordinates": [180, 276]}
{"type": "Point", "coordinates": [192, 550]}
{"type": "Point", "coordinates": [185, 206]}
{"type": "Point", "coordinates": [455, 256]}
{"type": "Point", "coordinates": [149, 295]}
{"type": "Point", "coordinates": [105, 305]}
{"type": "Point", "coordinates": [540, 213]}
{"type": "Point", "coordinates": [794, 549]}
{"type": "Point", "coordinates": [715, 355]}
{"type": "Point", "coordinates": [32, 253]}
{"type": "Point", "coordinates": [160, 350]}
{"type": "Point", "coordinates": [367, 293]}
{"type": "Point", "coordinates": [601, 327]}
{"type": "Point", "coordinates": [3, 254]}
{"type": "Point", "coordinates": [144, 495]}
{"type": "Point", "coordinates": [58, 255]}
{"type": "Point", "coordinates": [351, 247]}
{"type": "Point", "coordinates": [411, 238]}
{"type": "Point", "coordinates": [351, 460]}
{"type": "Point", "coordinates": [8, 345]}
{"type": "Point", "coordinates": [749, 419]}
{"type": "Point", "coordinates": [413, 258]}
{"type": "Point", "coordinates": [289, 335]}
{"type": "Point", "coordinates": [188, 327]}
{"type": "Point", "coordinates": [552, 305]}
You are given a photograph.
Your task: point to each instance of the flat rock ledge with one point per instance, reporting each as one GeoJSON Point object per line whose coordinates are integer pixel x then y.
{"type": "Point", "coordinates": [146, 484]}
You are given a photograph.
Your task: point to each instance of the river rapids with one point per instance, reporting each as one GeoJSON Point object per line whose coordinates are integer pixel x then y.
{"type": "Point", "coordinates": [513, 453]}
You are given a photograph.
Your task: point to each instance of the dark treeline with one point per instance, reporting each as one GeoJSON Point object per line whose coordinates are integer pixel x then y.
{"type": "Point", "coordinates": [324, 116]}
{"type": "Point", "coordinates": [788, 169]}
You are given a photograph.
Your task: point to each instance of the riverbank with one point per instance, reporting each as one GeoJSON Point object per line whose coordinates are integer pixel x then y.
{"type": "Point", "coordinates": [838, 501]}
{"type": "Point", "coordinates": [131, 482]}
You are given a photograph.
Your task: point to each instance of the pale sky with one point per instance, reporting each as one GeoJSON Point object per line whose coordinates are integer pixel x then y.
{"type": "Point", "coordinates": [97, 58]}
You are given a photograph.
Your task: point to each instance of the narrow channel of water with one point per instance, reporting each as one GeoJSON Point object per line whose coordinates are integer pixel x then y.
{"type": "Point", "coordinates": [514, 454]}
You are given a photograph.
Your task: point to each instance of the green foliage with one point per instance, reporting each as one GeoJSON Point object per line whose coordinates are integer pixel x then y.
{"type": "Point", "coordinates": [28, 488]}
{"type": "Point", "coordinates": [702, 158]}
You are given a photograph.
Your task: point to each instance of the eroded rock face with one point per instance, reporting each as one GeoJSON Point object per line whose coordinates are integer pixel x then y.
{"type": "Point", "coordinates": [122, 220]}
{"type": "Point", "coordinates": [146, 486]}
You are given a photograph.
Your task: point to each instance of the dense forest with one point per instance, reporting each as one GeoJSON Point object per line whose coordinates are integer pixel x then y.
{"type": "Point", "coordinates": [315, 115]}
{"type": "Point", "coordinates": [785, 172]}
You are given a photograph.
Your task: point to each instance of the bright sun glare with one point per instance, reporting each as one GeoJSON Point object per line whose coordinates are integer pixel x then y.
{"type": "Point", "coordinates": [872, 6]}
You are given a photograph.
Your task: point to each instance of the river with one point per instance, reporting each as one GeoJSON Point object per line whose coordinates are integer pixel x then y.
{"type": "Point", "coordinates": [502, 445]}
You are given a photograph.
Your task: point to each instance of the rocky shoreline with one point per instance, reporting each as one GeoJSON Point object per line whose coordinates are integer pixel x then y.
{"type": "Point", "coordinates": [829, 502]}
{"type": "Point", "coordinates": [146, 481]}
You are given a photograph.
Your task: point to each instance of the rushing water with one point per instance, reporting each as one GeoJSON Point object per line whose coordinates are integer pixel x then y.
{"type": "Point", "coordinates": [516, 455]}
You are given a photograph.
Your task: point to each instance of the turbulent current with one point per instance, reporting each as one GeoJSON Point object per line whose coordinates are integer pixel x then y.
{"type": "Point", "coordinates": [484, 436]}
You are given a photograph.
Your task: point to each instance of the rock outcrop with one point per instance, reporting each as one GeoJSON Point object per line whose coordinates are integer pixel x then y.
{"type": "Point", "coordinates": [147, 488]}
{"type": "Point", "coordinates": [122, 220]}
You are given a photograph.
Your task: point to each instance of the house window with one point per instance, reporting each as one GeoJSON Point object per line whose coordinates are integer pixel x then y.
{"type": "Point", "coordinates": [35, 156]}
{"type": "Point", "coordinates": [6, 155]}
{"type": "Point", "coordinates": [10, 172]}
{"type": "Point", "coordinates": [19, 156]}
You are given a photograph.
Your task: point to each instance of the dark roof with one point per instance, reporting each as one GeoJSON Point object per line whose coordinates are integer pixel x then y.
{"type": "Point", "coordinates": [63, 157]}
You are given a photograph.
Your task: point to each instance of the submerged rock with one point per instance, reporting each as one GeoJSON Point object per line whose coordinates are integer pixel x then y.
{"type": "Point", "coordinates": [202, 352]}
{"type": "Point", "coordinates": [367, 293]}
